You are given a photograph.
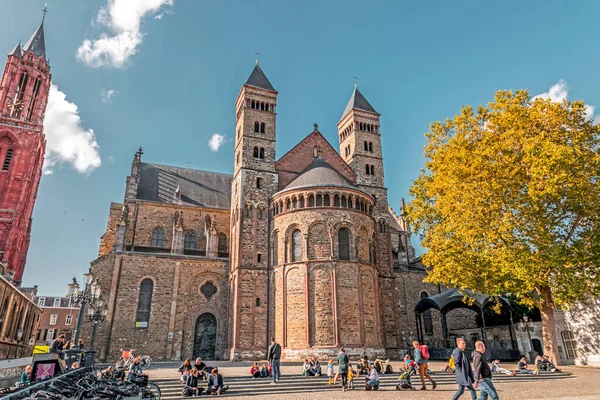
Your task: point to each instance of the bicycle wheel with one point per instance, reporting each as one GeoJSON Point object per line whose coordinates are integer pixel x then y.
{"type": "Point", "coordinates": [145, 363]}
{"type": "Point", "coordinates": [154, 389]}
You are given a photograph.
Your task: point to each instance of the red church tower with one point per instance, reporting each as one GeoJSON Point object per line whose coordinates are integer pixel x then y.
{"type": "Point", "coordinates": [23, 97]}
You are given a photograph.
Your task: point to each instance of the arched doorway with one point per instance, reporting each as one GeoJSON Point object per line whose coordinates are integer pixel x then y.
{"type": "Point", "coordinates": [205, 337]}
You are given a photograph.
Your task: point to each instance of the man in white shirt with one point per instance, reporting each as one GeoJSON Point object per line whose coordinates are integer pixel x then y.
{"type": "Point", "coordinates": [373, 381]}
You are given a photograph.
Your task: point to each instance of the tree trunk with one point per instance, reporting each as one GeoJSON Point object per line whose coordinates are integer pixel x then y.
{"type": "Point", "coordinates": [547, 307]}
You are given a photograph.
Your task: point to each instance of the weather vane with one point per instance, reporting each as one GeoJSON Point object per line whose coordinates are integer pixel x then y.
{"type": "Point", "coordinates": [355, 80]}
{"type": "Point", "coordinates": [44, 11]}
{"type": "Point", "coordinates": [256, 53]}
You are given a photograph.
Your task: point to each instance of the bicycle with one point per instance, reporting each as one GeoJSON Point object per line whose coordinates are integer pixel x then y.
{"type": "Point", "coordinates": [127, 357]}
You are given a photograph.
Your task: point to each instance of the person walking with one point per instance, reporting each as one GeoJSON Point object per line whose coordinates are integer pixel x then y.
{"type": "Point", "coordinates": [464, 373]}
{"type": "Point", "coordinates": [274, 356]}
{"type": "Point", "coordinates": [343, 361]}
{"type": "Point", "coordinates": [483, 374]}
{"type": "Point", "coordinates": [422, 361]}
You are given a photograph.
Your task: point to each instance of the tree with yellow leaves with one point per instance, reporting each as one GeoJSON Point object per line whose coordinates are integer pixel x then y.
{"type": "Point", "coordinates": [509, 202]}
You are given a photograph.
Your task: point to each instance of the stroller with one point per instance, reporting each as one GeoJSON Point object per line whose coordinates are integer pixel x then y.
{"type": "Point", "coordinates": [404, 379]}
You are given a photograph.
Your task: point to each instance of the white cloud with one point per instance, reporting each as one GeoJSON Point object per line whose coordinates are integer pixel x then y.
{"type": "Point", "coordinates": [108, 94]}
{"type": "Point", "coordinates": [68, 142]}
{"type": "Point", "coordinates": [216, 141]}
{"type": "Point", "coordinates": [559, 92]}
{"type": "Point", "coordinates": [124, 19]}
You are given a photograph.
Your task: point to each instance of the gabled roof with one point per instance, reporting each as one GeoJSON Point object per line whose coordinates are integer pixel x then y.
{"type": "Point", "coordinates": [198, 188]}
{"type": "Point", "coordinates": [259, 79]}
{"type": "Point", "coordinates": [17, 51]}
{"type": "Point", "coordinates": [36, 43]}
{"type": "Point", "coordinates": [358, 102]}
{"type": "Point", "coordinates": [319, 173]}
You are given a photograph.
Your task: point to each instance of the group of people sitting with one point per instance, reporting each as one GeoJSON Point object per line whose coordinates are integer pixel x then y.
{"type": "Point", "coordinates": [193, 375]}
{"type": "Point", "coordinates": [311, 367]}
{"type": "Point", "coordinates": [264, 371]}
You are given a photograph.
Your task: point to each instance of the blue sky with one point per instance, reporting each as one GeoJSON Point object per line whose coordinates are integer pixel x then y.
{"type": "Point", "coordinates": [180, 64]}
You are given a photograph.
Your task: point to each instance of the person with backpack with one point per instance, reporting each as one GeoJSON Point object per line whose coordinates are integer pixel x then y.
{"type": "Point", "coordinates": [422, 359]}
{"type": "Point", "coordinates": [274, 355]}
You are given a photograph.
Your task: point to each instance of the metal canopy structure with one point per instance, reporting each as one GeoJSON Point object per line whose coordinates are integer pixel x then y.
{"type": "Point", "coordinates": [451, 300]}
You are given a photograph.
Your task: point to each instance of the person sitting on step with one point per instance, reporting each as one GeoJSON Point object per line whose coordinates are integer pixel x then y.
{"type": "Point", "coordinates": [184, 370]}
{"type": "Point", "coordinates": [264, 371]}
{"type": "Point", "coordinates": [305, 367]}
{"type": "Point", "coordinates": [544, 364]}
{"type": "Point", "coordinates": [191, 384]}
{"type": "Point", "coordinates": [255, 371]}
{"type": "Point", "coordinates": [501, 370]}
{"type": "Point", "coordinates": [215, 383]}
{"type": "Point", "coordinates": [522, 366]}
{"type": "Point", "coordinates": [201, 367]}
{"type": "Point", "coordinates": [315, 367]}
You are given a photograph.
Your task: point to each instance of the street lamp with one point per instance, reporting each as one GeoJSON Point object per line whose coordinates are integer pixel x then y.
{"type": "Point", "coordinates": [89, 297]}
{"type": "Point", "coordinates": [528, 328]}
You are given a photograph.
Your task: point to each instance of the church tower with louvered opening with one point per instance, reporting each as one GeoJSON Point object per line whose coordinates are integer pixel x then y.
{"type": "Point", "coordinates": [23, 98]}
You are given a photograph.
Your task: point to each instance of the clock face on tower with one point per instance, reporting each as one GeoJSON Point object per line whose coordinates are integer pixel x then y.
{"type": "Point", "coordinates": [15, 106]}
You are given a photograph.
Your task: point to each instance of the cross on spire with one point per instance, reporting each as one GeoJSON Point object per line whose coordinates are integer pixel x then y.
{"type": "Point", "coordinates": [44, 11]}
{"type": "Point", "coordinates": [256, 53]}
{"type": "Point", "coordinates": [356, 78]}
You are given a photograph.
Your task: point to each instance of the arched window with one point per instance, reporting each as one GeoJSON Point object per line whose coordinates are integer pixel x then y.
{"type": "Point", "coordinates": [344, 202]}
{"type": "Point", "coordinates": [344, 244]}
{"type": "Point", "coordinates": [372, 169]}
{"type": "Point", "coordinates": [336, 201]}
{"type": "Point", "coordinates": [262, 153]}
{"type": "Point", "coordinates": [190, 241]}
{"type": "Point", "coordinates": [311, 201]}
{"type": "Point", "coordinates": [294, 203]}
{"type": "Point", "coordinates": [142, 316]}
{"type": "Point", "coordinates": [262, 106]}
{"type": "Point", "coordinates": [252, 105]}
{"type": "Point", "coordinates": [319, 200]}
{"type": "Point", "coordinates": [7, 159]}
{"type": "Point", "coordinates": [262, 127]}
{"type": "Point", "coordinates": [158, 238]}
{"type": "Point", "coordinates": [326, 201]}
{"type": "Point", "coordinates": [349, 201]}
{"type": "Point", "coordinates": [570, 344]}
{"type": "Point", "coordinates": [261, 213]}
{"type": "Point", "coordinates": [288, 205]}
{"type": "Point", "coordinates": [301, 201]}
{"type": "Point", "coordinates": [372, 253]}
{"type": "Point", "coordinates": [366, 146]}
{"type": "Point", "coordinates": [267, 107]}
{"type": "Point", "coordinates": [296, 245]}
{"type": "Point", "coordinates": [256, 126]}
{"type": "Point", "coordinates": [255, 153]}
{"type": "Point", "coordinates": [371, 147]}
{"type": "Point", "coordinates": [367, 169]}
{"type": "Point", "coordinates": [427, 322]}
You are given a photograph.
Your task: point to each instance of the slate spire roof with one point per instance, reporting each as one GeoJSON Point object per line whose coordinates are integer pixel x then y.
{"type": "Point", "coordinates": [259, 79]}
{"type": "Point", "coordinates": [358, 102]}
{"type": "Point", "coordinates": [16, 51]}
{"type": "Point", "coordinates": [36, 43]}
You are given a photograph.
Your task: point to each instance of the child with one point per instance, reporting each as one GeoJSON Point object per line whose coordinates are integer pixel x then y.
{"type": "Point", "coordinates": [450, 367]}
{"type": "Point", "coordinates": [330, 372]}
{"type": "Point", "coordinates": [305, 367]}
{"type": "Point", "coordinates": [351, 374]}
{"type": "Point", "coordinates": [264, 371]}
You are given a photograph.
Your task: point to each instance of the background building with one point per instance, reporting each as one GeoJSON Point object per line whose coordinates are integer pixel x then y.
{"type": "Point", "coordinates": [59, 317]}
{"type": "Point", "coordinates": [23, 98]}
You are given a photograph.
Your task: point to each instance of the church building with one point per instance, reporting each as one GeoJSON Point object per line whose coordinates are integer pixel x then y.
{"type": "Point", "coordinates": [23, 98]}
{"type": "Point", "coordinates": [304, 247]}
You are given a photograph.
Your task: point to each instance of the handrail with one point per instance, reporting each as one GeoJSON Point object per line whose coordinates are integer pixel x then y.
{"type": "Point", "coordinates": [41, 384]}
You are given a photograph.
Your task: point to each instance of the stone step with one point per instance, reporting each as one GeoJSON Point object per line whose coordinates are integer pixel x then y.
{"type": "Point", "coordinates": [243, 386]}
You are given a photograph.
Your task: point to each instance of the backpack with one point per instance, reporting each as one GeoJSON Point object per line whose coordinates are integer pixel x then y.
{"type": "Point", "coordinates": [187, 392]}
{"type": "Point", "coordinates": [425, 352]}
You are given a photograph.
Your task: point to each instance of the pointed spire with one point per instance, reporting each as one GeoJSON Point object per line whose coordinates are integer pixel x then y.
{"type": "Point", "coordinates": [17, 51]}
{"type": "Point", "coordinates": [36, 43]}
{"type": "Point", "coordinates": [259, 79]}
{"type": "Point", "coordinates": [358, 102]}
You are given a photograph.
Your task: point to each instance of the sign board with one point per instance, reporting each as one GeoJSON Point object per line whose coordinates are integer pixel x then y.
{"type": "Point", "coordinates": [11, 370]}
{"type": "Point", "coordinates": [141, 324]}
{"type": "Point", "coordinates": [41, 349]}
